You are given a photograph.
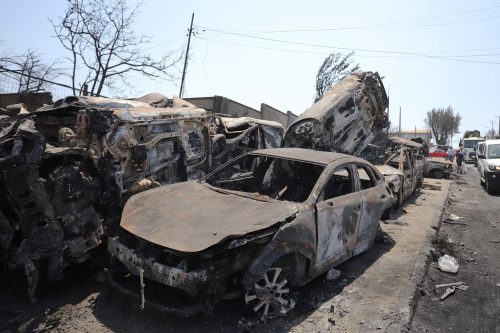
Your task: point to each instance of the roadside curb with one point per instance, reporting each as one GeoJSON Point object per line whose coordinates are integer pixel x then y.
{"type": "Point", "coordinates": [409, 299]}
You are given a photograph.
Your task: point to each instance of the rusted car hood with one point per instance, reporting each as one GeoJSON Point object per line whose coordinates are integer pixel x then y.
{"type": "Point", "coordinates": [387, 170]}
{"type": "Point", "coordinates": [191, 217]}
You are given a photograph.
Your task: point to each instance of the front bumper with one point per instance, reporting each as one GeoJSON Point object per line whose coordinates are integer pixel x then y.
{"type": "Point", "coordinates": [189, 282]}
{"type": "Point", "coordinates": [186, 311]}
{"type": "Point", "coordinates": [493, 179]}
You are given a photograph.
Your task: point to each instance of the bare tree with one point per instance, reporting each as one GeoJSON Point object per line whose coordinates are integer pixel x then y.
{"type": "Point", "coordinates": [32, 72]}
{"type": "Point", "coordinates": [104, 50]}
{"type": "Point", "coordinates": [334, 68]}
{"type": "Point", "coordinates": [443, 122]}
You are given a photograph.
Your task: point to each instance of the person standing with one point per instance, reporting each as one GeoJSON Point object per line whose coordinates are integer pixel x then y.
{"type": "Point", "coordinates": [459, 157]}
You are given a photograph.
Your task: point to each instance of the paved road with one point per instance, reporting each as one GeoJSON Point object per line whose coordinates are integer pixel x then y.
{"type": "Point", "coordinates": [475, 241]}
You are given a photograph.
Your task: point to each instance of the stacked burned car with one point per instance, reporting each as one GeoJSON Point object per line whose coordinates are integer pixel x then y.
{"type": "Point", "coordinates": [261, 223]}
{"type": "Point", "coordinates": [67, 169]}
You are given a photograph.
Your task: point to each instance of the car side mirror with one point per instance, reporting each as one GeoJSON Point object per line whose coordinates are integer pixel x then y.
{"type": "Point", "coordinates": [481, 156]}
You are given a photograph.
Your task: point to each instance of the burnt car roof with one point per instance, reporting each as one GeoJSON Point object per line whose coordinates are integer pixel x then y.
{"type": "Point", "coordinates": [407, 142]}
{"type": "Point", "coordinates": [307, 155]}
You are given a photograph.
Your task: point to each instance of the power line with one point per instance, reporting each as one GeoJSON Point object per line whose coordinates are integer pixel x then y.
{"type": "Point", "coordinates": [326, 53]}
{"type": "Point", "coordinates": [330, 47]}
{"type": "Point", "coordinates": [380, 25]}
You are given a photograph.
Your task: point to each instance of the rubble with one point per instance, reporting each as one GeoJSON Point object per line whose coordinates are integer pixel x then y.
{"type": "Point", "coordinates": [333, 274]}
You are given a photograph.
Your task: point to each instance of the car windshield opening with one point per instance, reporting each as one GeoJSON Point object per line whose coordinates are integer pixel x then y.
{"type": "Point", "coordinates": [494, 151]}
{"type": "Point", "coordinates": [277, 178]}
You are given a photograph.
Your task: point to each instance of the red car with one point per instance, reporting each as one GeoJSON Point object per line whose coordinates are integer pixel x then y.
{"type": "Point", "coordinates": [438, 153]}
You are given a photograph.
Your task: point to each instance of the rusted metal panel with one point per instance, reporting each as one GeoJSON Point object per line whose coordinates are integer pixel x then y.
{"type": "Point", "coordinates": [169, 276]}
{"type": "Point", "coordinates": [190, 217]}
{"type": "Point", "coordinates": [406, 142]}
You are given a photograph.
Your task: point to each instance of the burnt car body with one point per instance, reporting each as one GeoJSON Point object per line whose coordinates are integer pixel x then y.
{"type": "Point", "coordinates": [438, 167]}
{"type": "Point", "coordinates": [67, 169]}
{"type": "Point", "coordinates": [403, 168]}
{"type": "Point", "coordinates": [346, 119]}
{"type": "Point", "coordinates": [266, 221]}
{"type": "Point", "coordinates": [234, 136]}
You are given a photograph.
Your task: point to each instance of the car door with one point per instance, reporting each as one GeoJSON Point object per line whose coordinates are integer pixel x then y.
{"type": "Point", "coordinates": [374, 200]}
{"type": "Point", "coordinates": [408, 169]}
{"type": "Point", "coordinates": [338, 212]}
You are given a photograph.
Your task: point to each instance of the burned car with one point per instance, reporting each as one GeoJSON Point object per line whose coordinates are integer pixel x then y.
{"type": "Point", "coordinates": [234, 136]}
{"type": "Point", "coordinates": [349, 116]}
{"type": "Point", "coordinates": [262, 223]}
{"type": "Point", "coordinates": [438, 167]}
{"type": "Point", "coordinates": [403, 168]}
{"type": "Point", "coordinates": [67, 169]}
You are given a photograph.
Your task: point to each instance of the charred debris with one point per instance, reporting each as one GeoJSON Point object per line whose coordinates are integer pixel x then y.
{"type": "Point", "coordinates": [67, 169]}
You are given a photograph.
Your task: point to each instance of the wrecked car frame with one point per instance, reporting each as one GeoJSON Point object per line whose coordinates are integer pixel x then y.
{"type": "Point", "coordinates": [346, 119]}
{"type": "Point", "coordinates": [403, 168]}
{"type": "Point", "coordinates": [263, 222]}
{"type": "Point", "coordinates": [67, 169]}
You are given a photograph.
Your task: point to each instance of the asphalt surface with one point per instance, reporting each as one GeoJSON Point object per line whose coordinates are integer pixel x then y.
{"type": "Point", "coordinates": [470, 232]}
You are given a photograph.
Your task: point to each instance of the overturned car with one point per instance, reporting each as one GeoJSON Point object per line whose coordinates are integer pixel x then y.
{"type": "Point", "coordinates": [349, 116]}
{"type": "Point", "coordinates": [262, 223]}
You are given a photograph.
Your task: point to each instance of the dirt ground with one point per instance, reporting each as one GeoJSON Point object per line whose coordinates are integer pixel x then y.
{"type": "Point", "coordinates": [471, 233]}
{"type": "Point", "coordinates": [374, 292]}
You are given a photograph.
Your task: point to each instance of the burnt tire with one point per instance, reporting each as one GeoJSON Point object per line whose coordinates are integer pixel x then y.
{"type": "Point", "coordinates": [438, 174]}
{"type": "Point", "coordinates": [270, 296]}
{"type": "Point", "coordinates": [488, 187]}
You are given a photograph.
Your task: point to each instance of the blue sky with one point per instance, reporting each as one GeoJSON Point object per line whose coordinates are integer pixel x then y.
{"type": "Point", "coordinates": [252, 70]}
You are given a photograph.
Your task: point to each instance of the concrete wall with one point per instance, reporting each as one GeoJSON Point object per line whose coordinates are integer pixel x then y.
{"type": "Point", "coordinates": [270, 113]}
{"type": "Point", "coordinates": [32, 101]}
{"type": "Point", "coordinates": [221, 104]}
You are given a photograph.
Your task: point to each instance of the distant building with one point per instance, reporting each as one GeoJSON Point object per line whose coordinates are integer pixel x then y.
{"type": "Point", "coordinates": [426, 134]}
{"type": "Point", "coordinates": [221, 104]}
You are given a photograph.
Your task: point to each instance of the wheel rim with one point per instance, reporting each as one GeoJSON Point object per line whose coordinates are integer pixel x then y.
{"type": "Point", "coordinates": [270, 295]}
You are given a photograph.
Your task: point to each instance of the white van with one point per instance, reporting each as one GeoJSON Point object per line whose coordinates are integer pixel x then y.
{"type": "Point", "coordinates": [489, 165]}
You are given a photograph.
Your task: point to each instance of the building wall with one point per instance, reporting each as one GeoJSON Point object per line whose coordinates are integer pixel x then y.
{"type": "Point", "coordinates": [32, 101]}
{"type": "Point", "coordinates": [270, 113]}
{"type": "Point", "coordinates": [221, 104]}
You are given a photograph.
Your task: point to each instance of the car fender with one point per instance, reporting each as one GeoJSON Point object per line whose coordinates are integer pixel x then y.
{"type": "Point", "coordinates": [296, 237]}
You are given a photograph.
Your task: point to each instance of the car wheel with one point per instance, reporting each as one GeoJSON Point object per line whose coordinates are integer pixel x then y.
{"type": "Point", "coordinates": [270, 296]}
{"type": "Point", "coordinates": [438, 174]}
{"type": "Point", "coordinates": [487, 186]}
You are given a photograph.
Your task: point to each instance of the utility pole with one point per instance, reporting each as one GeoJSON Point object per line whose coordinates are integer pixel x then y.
{"type": "Point", "coordinates": [399, 134]}
{"type": "Point", "coordinates": [498, 125]}
{"type": "Point", "coordinates": [187, 56]}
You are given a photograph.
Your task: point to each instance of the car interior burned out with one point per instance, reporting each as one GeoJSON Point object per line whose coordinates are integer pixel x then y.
{"type": "Point", "coordinates": [279, 179]}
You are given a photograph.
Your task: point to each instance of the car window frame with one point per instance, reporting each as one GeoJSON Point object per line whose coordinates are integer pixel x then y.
{"type": "Point", "coordinates": [349, 164]}
{"type": "Point", "coordinates": [371, 173]}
